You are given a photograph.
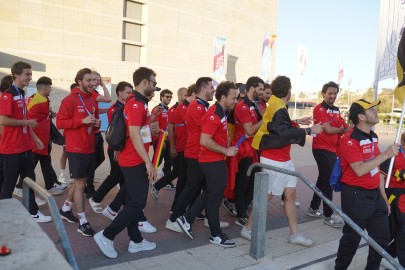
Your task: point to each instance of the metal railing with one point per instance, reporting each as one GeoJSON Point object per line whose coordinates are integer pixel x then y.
{"type": "Point", "coordinates": [259, 212]}
{"type": "Point", "coordinates": [60, 228]}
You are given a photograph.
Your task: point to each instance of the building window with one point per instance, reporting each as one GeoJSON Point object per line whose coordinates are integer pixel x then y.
{"type": "Point", "coordinates": [132, 31]}
{"type": "Point", "coordinates": [133, 11]}
{"type": "Point", "coordinates": [131, 53]}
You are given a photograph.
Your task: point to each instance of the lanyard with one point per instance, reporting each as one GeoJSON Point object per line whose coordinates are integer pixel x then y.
{"type": "Point", "coordinates": [81, 99]}
{"type": "Point", "coordinates": [21, 97]}
{"type": "Point", "coordinates": [202, 103]}
{"type": "Point", "coordinates": [227, 128]}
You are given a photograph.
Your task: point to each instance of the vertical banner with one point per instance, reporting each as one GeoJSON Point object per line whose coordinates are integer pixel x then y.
{"type": "Point", "coordinates": [267, 56]}
{"type": "Point", "coordinates": [340, 74]}
{"type": "Point", "coordinates": [219, 61]}
{"type": "Point", "coordinates": [302, 60]}
{"type": "Point", "coordinates": [302, 68]}
{"type": "Point", "coordinates": [392, 14]}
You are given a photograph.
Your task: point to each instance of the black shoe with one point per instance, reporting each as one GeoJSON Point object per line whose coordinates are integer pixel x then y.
{"type": "Point", "coordinates": [68, 215]}
{"type": "Point", "coordinates": [185, 226]}
{"type": "Point", "coordinates": [241, 221]}
{"type": "Point", "coordinates": [86, 229]}
{"type": "Point", "coordinates": [90, 193]}
{"type": "Point", "coordinates": [222, 240]}
{"type": "Point", "coordinates": [230, 207]}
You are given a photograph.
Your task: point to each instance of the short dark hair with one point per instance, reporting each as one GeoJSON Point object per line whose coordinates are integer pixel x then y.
{"type": "Point", "coordinates": [6, 82]}
{"type": "Point", "coordinates": [202, 82]}
{"type": "Point", "coordinates": [142, 73]}
{"type": "Point", "coordinates": [164, 92]}
{"type": "Point", "coordinates": [121, 87]}
{"type": "Point", "coordinates": [223, 89]}
{"type": "Point", "coordinates": [280, 86]}
{"type": "Point", "coordinates": [80, 74]}
{"type": "Point", "coordinates": [73, 85]}
{"type": "Point", "coordinates": [44, 81]}
{"type": "Point", "coordinates": [191, 89]}
{"type": "Point", "coordinates": [18, 67]}
{"type": "Point", "coordinates": [253, 81]}
{"type": "Point", "coordinates": [330, 84]}
{"type": "Point", "coordinates": [267, 86]}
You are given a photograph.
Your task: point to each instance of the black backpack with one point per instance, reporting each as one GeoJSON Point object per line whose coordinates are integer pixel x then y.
{"type": "Point", "coordinates": [116, 133]}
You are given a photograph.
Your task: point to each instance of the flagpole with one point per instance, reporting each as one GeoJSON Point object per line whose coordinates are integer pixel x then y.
{"type": "Point", "coordinates": [401, 120]}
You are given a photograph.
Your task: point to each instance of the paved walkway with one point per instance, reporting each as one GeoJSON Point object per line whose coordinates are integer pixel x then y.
{"type": "Point", "coordinates": [176, 251]}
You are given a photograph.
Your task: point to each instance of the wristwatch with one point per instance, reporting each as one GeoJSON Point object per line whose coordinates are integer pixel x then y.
{"type": "Point", "coordinates": [308, 130]}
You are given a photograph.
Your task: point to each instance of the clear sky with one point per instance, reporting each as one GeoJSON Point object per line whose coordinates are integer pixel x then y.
{"type": "Point", "coordinates": [334, 32]}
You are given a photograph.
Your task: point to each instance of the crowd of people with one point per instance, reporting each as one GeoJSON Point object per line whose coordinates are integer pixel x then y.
{"type": "Point", "coordinates": [207, 148]}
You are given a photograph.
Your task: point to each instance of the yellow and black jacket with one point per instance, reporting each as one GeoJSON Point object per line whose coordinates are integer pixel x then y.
{"type": "Point", "coordinates": [277, 129]}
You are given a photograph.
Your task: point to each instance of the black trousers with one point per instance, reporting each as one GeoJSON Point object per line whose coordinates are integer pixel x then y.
{"type": "Point", "coordinates": [325, 161]}
{"type": "Point", "coordinates": [368, 210]}
{"type": "Point", "coordinates": [397, 229]}
{"type": "Point", "coordinates": [194, 182]}
{"type": "Point", "coordinates": [99, 158]}
{"type": "Point", "coordinates": [115, 177]}
{"type": "Point", "coordinates": [182, 176]}
{"type": "Point", "coordinates": [48, 172]}
{"type": "Point", "coordinates": [244, 186]}
{"type": "Point", "coordinates": [167, 167]}
{"type": "Point", "coordinates": [15, 165]}
{"type": "Point", "coordinates": [169, 177]}
{"type": "Point", "coordinates": [211, 198]}
{"type": "Point", "coordinates": [136, 187]}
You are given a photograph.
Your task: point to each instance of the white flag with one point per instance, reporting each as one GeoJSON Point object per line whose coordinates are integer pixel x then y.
{"type": "Point", "coordinates": [392, 13]}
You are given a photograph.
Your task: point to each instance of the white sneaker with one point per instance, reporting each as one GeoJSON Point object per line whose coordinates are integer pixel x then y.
{"type": "Point", "coordinates": [60, 186]}
{"type": "Point", "coordinates": [95, 206]}
{"type": "Point", "coordinates": [300, 239]}
{"type": "Point", "coordinates": [144, 245]}
{"type": "Point", "coordinates": [334, 221]}
{"type": "Point", "coordinates": [18, 192]}
{"type": "Point", "coordinates": [106, 245]}
{"type": "Point", "coordinates": [297, 204]}
{"type": "Point", "coordinates": [173, 226]}
{"type": "Point", "coordinates": [246, 233]}
{"type": "Point", "coordinates": [108, 213]}
{"type": "Point", "coordinates": [54, 191]}
{"type": "Point", "coordinates": [64, 177]}
{"type": "Point", "coordinates": [222, 224]}
{"type": "Point", "coordinates": [40, 201]}
{"type": "Point", "coordinates": [146, 227]}
{"type": "Point", "coordinates": [41, 218]}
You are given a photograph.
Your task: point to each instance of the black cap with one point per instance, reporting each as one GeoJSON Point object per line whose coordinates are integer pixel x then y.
{"type": "Point", "coordinates": [359, 106]}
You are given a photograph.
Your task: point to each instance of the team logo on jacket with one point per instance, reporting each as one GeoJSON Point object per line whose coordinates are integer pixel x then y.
{"type": "Point", "coordinates": [135, 106]}
{"type": "Point", "coordinates": [349, 143]}
{"type": "Point", "coordinates": [211, 117]}
{"type": "Point", "coordinates": [5, 97]}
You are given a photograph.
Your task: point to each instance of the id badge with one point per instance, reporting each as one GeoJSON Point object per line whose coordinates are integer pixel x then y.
{"type": "Point", "coordinates": [146, 134]}
{"type": "Point", "coordinates": [374, 171]}
{"type": "Point", "coordinates": [90, 129]}
{"type": "Point", "coordinates": [24, 128]}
